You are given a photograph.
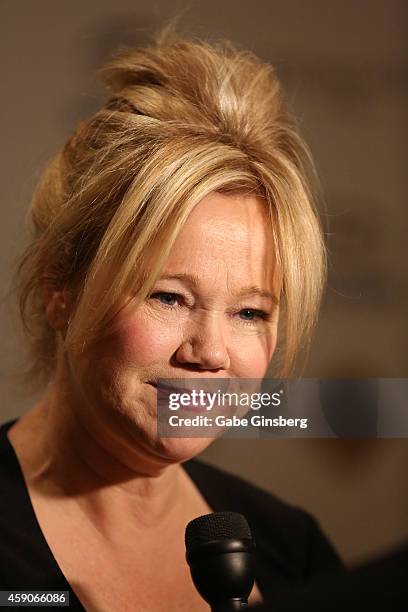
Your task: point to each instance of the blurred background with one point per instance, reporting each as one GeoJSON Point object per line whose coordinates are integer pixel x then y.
{"type": "Point", "coordinates": [343, 66]}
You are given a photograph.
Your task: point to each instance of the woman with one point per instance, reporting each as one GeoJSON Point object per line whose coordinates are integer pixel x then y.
{"type": "Point", "coordinates": [174, 236]}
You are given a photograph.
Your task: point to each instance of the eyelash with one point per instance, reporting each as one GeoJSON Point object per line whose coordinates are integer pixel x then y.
{"type": "Point", "coordinates": [259, 314]}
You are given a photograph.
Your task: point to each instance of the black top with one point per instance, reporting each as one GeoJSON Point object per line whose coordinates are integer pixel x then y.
{"type": "Point", "coordinates": [290, 548]}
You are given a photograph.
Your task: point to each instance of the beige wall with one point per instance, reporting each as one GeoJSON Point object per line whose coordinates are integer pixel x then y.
{"type": "Point", "coordinates": [344, 66]}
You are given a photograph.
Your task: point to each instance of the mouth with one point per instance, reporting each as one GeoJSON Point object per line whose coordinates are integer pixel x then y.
{"type": "Point", "coordinates": [166, 389]}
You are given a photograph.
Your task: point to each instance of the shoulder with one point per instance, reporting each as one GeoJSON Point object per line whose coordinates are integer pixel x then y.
{"type": "Point", "coordinates": [10, 473]}
{"type": "Point", "coordinates": [16, 514]}
{"type": "Point", "coordinates": [287, 533]}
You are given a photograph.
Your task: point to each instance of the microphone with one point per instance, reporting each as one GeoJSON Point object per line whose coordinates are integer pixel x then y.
{"type": "Point", "coordinates": [219, 551]}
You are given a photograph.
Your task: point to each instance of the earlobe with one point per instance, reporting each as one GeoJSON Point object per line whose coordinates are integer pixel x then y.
{"type": "Point", "coordinates": [56, 308]}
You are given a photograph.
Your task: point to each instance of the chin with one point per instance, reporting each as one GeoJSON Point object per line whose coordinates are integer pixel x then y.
{"type": "Point", "coordinates": [178, 450]}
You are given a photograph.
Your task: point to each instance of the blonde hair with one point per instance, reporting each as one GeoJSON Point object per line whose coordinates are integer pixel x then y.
{"type": "Point", "coordinates": [185, 118]}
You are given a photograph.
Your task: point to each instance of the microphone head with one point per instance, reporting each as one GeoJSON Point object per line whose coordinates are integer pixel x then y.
{"type": "Point", "coordinates": [216, 526]}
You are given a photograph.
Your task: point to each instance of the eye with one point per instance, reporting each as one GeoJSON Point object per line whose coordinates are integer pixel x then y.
{"type": "Point", "coordinates": [252, 315]}
{"type": "Point", "coordinates": [166, 298]}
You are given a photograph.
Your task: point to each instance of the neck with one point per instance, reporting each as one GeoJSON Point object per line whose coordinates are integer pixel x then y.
{"type": "Point", "coordinates": [115, 484]}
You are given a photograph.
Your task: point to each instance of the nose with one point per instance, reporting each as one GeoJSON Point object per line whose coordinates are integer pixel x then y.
{"type": "Point", "coordinates": [204, 346]}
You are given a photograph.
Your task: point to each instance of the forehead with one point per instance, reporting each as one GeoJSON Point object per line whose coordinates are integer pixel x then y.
{"type": "Point", "coordinates": [226, 235]}
{"type": "Point", "coordinates": [229, 208]}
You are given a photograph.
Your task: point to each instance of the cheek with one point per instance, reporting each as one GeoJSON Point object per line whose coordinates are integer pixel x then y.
{"type": "Point", "coordinates": [257, 367]}
{"type": "Point", "coordinates": [252, 355]}
{"type": "Point", "coordinates": [144, 341]}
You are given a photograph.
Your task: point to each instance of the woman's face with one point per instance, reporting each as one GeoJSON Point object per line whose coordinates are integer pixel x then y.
{"type": "Point", "coordinates": [213, 313]}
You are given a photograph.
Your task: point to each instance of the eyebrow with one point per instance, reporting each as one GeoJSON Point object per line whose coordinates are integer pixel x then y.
{"type": "Point", "coordinates": [251, 290]}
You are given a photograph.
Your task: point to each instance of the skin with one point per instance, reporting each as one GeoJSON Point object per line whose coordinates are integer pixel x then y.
{"type": "Point", "coordinates": [92, 438]}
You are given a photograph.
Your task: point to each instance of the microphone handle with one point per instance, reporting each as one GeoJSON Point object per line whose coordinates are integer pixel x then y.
{"type": "Point", "coordinates": [230, 605]}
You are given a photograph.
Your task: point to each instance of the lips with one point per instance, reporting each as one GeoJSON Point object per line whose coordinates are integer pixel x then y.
{"type": "Point", "coordinates": [207, 384]}
{"type": "Point", "coordinates": [170, 388]}
{"type": "Point", "coordinates": [164, 392]}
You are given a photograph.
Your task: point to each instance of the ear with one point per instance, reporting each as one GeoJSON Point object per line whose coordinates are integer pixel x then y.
{"type": "Point", "coordinates": [56, 307]}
